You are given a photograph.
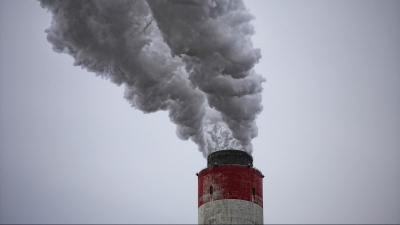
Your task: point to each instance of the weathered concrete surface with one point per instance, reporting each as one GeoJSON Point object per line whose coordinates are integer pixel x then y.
{"type": "Point", "coordinates": [230, 211]}
{"type": "Point", "coordinates": [230, 182]}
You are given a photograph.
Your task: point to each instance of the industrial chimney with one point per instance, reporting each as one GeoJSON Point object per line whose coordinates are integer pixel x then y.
{"type": "Point", "coordinates": [230, 190]}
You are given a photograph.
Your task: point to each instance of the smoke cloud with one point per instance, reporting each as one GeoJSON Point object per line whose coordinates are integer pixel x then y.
{"type": "Point", "coordinates": [193, 58]}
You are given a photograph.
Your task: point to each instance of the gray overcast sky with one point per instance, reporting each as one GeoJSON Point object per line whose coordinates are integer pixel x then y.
{"type": "Point", "coordinates": [72, 150]}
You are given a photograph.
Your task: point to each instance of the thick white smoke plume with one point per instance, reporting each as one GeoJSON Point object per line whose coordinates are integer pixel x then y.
{"type": "Point", "coordinates": [193, 58]}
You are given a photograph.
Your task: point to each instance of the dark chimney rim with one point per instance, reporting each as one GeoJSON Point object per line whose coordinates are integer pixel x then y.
{"type": "Point", "coordinates": [229, 157]}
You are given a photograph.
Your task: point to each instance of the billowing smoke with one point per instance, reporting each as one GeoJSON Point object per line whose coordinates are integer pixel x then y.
{"type": "Point", "coordinates": [193, 58]}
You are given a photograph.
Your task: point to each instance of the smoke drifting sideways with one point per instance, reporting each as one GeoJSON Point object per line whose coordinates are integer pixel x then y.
{"type": "Point", "coordinates": [193, 58]}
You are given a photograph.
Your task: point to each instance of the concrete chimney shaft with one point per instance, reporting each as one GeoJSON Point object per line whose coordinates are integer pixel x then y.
{"type": "Point", "coordinates": [230, 190]}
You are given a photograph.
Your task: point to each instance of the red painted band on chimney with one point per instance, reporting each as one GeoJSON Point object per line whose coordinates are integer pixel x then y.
{"type": "Point", "coordinates": [230, 182]}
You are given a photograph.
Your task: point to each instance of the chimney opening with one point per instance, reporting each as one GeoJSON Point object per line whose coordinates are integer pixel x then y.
{"type": "Point", "coordinates": [211, 190]}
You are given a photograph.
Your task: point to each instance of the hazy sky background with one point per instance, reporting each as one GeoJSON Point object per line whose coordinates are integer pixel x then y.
{"type": "Point", "coordinates": [72, 150]}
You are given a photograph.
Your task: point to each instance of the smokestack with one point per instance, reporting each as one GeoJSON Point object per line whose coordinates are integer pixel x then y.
{"type": "Point", "coordinates": [230, 190]}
